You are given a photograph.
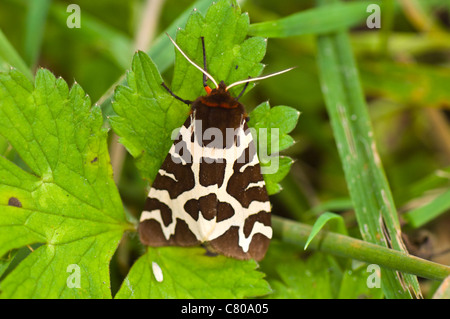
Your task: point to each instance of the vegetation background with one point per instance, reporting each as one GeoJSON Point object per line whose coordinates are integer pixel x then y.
{"type": "Point", "coordinates": [404, 72]}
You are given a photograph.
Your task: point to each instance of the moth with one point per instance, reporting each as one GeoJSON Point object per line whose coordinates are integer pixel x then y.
{"type": "Point", "coordinates": [209, 189]}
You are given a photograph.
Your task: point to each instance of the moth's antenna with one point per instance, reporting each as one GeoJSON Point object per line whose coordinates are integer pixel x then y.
{"type": "Point", "coordinates": [258, 78]}
{"type": "Point", "coordinates": [192, 62]}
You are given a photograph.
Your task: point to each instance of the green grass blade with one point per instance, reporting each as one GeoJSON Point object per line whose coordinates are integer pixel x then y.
{"type": "Point", "coordinates": [337, 204]}
{"type": "Point", "coordinates": [422, 215]}
{"type": "Point", "coordinates": [314, 21]}
{"type": "Point", "coordinates": [320, 223]}
{"type": "Point", "coordinates": [367, 184]}
{"type": "Point", "coordinates": [9, 56]}
{"type": "Point", "coordinates": [443, 291]}
{"type": "Point", "coordinates": [34, 29]}
{"type": "Point", "coordinates": [439, 178]}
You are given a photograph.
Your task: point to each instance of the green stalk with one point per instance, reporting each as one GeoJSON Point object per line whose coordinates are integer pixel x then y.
{"type": "Point", "coordinates": [345, 246]}
{"type": "Point", "coordinates": [367, 184]}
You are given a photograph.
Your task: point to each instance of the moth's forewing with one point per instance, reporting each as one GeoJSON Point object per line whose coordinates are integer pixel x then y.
{"type": "Point", "coordinates": [210, 189]}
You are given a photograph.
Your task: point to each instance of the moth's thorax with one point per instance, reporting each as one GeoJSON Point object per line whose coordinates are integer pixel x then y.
{"type": "Point", "coordinates": [218, 116]}
{"type": "Point", "coordinates": [219, 97]}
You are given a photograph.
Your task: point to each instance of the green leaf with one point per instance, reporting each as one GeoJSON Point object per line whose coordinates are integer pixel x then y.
{"type": "Point", "coordinates": [230, 56]}
{"type": "Point", "coordinates": [283, 118]}
{"type": "Point", "coordinates": [265, 120]}
{"type": "Point", "coordinates": [146, 115]}
{"type": "Point", "coordinates": [6, 260]}
{"type": "Point", "coordinates": [304, 279]}
{"type": "Point", "coordinates": [291, 276]}
{"type": "Point", "coordinates": [273, 180]}
{"type": "Point", "coordinates": [161, 51]}
{"type": "Point", "coordinates": [67, 200]}
{"type": "Point", "coordinates": [189, 273]}
{"type": "Point", "coordinates": [354, 284]}
{"type": "Point", "coordinates": [327, 217]}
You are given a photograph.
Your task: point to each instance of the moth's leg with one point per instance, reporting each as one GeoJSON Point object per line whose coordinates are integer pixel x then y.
{"type": "Point", "coordinates": [204, 62]}
{"type": "Point", "coordinates": [188, 102]}
{"type": "Point", "coordinates": [209, 251]}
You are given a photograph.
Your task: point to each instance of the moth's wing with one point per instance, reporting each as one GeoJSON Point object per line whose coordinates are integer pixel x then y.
{"type": "Point", "coordinates": [195, 198]}
{"type": "Point", "coordinates": [243, 229]}
{"type": "Point", "coordinates": [163, 222]}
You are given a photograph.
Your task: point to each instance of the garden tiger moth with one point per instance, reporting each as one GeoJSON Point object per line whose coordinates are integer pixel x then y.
{"type": "Point", "coordinates": [210, 190]}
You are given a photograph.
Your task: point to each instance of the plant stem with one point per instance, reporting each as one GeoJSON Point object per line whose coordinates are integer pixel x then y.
{"type": "Point", "coordinates": [345, 246]}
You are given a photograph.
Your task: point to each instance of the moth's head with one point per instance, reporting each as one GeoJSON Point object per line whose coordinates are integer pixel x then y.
{"type": "Point", "coordinates": [219, 97]}
{"type": "Point", "coordinates": [220, 89]}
